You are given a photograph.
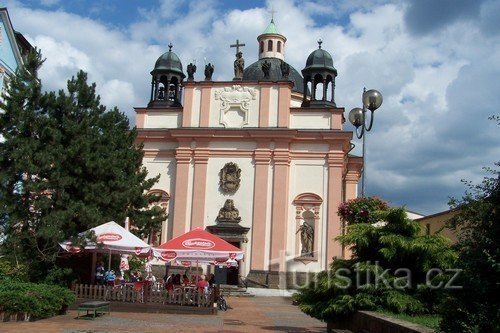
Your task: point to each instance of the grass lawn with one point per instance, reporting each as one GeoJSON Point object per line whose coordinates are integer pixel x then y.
{"type": "Point", "coordinates": [431, 321]}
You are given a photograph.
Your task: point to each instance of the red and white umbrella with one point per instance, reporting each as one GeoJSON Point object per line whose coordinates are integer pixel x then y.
{"type": "Point", "coordinates": [111, 238]}
{"type": "Point", "coordinates": [198, 246]}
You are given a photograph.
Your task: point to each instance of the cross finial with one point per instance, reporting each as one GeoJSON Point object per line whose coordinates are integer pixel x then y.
{"type": "Point", "coordinates": [272, 11]}
{"type": "Point", "coordinates": [170, 47]}
{"type": "Point", "coordinates": [319, 42]}
{"type": "Point", "coordinates": [237, 46]}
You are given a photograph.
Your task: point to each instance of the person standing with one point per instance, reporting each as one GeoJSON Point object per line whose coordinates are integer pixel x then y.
{"type": "Point", "coordinates": [99, 274]}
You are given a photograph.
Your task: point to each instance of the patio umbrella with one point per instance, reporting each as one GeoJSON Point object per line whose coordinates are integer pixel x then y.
{"type": "Point", "coordinates": [199, 246]}
{"type": "Point", "coordinates": [111, 238]}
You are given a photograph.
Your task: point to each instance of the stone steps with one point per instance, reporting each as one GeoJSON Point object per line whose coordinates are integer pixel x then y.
{"type": "Point", "coordinates": [234, 291]}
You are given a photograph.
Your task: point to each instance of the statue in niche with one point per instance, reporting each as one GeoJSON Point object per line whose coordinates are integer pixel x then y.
{"type": "Point", "coordinates": [191, 69]}
{"type": "Point", "coordinates": [266, 68]}
{"type": "Point", "coordinates": [306, 239]}
{"type": "Point", "coordinates": [229, 212]}
{"type": "Point", "coordinates": [209, 70]}
{"type": "Point", "coordinates": [230, 177]}
{"type": "Point", "coordinates": [285, 70]}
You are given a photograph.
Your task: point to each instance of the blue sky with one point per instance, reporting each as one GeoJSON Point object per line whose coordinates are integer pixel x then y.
{"type": "Point", "coordinates": [436, 62]}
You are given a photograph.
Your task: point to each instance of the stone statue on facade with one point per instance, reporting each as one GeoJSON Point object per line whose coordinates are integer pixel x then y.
{"type": "Point", "coordinates": [266, 68]}
{"type": "Point", "coordinates": [229, 177]}
{"type": "Point", "coordinates": [285, 70]}
{"type": "Point", "coordinates": [239, 66]}
{"type": "Point", "coordinates": [306, 239]}
{"type": "Point", "coordinates": [209, 70]}
{"type": "Point", "coordinates": [229, 212]}
{"type": "Point", "coordinates": [191, 69]}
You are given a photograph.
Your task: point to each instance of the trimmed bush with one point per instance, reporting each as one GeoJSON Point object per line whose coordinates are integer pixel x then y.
{"type": "Point", "coordinates": [35, 300]}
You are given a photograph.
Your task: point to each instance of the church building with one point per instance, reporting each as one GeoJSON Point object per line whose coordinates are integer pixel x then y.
{"type": "Point", "coordinates": [261, 161]}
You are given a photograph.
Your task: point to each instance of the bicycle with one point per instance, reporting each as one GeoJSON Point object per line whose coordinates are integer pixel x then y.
{"type": "Point", "coordinates": [221, 303]}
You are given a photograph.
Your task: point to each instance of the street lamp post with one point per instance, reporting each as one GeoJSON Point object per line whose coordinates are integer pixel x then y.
{"type": "Point", "coordinates": [372, 100]}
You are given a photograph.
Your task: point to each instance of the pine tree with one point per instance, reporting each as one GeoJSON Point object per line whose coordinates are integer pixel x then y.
{"type": "Point", "coordinates": [371, 280]}
{"type": "Point", "coordinates": [68, 164]}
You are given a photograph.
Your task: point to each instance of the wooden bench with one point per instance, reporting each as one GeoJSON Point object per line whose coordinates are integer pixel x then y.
{"type": "Point", "coordinates": [95, 307]}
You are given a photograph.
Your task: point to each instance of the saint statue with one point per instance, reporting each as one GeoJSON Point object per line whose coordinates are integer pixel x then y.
{"type": "Point", "coordinates": [209, 70]}
{"type": "Point", "coordinates": [306, 238]}
{"type": "Point", "coordinates": [239, 66]}
{"type": "Point", "coordinates": [266, 68]}
{"type": "Point", "coordinates": [191, 69]}
{"type": "Point", "coordinates": [285, 70]}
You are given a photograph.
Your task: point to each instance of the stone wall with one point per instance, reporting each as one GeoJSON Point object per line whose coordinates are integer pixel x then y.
{"type": "Point", "coordinates": [373, 322]}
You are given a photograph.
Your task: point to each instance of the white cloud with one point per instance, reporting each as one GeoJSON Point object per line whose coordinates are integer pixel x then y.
{"type": "Point", "coordinates": [439, 87]}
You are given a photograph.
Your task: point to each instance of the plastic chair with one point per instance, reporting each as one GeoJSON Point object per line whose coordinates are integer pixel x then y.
{"type": "Point", "coordinates": [139, 290]}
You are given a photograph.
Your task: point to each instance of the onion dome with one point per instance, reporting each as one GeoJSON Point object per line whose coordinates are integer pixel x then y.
{"type": "Point", "coordinates": [319, 69]}
{"type": "Point", "coordinates": [254, 73]}
{"type": "Point", "coordinates": [320, 60]}
{"type": "Point", "coordinates": [168, 63]}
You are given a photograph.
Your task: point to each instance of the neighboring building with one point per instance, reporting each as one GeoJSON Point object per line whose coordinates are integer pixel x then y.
{"type": "Point", "coordinates": [436, 224]}
{"type": "Point", "coordinates": [254, 160]}
{"type": "Point", "coordinates": [13, 48]}
{"type": "Point", "coordinates": [413, 216]}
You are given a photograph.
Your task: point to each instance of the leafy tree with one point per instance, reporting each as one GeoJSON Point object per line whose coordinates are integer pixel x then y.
{"type": "Point", "coordinates": [388, 269]}
{"type": "Point", "coordinates": [66, 165]}
{"type": "Point", "coordinates": [476, 306]}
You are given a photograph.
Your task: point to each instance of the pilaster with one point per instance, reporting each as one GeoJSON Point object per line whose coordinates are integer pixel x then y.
{"type": "Point", "coordinates": [281, 157]}
{"type": "Point", "coordinates": [183, 158]}
{"type": "Point", "coordinates": [262, 158]}
{"type": "Point", "coordinates": [335, 162]}
{"type": "Point", "coordinates": [200, 157]}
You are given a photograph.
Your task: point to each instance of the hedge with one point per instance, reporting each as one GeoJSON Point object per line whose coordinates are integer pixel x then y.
{"type": "Point", "coordinates": [36, 301]}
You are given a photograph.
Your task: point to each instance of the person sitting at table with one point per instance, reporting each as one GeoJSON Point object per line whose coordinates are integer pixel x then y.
{"type": "Point", "coordinates": [133, 276]}
{"type": "Point", "coordinates": [119, 279]}
{"type": "Point", "coordinates": [177, 280]}
{"type": "Point", "coordinates": [109, 277]}
{"type": "Point", "coordinates": [185, 280]}
{"type": "Point", "coordinates": [211, 280]}
{"type": "Point", "coordinates": [202, 284]}
{"type": "Point", "coordinates": [151, 278]}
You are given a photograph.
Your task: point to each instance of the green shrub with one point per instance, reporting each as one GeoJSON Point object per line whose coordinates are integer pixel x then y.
{"type": "Point", "coordinates": [12, 272]}
{"type": "Point", "coordinates": [37, 300]}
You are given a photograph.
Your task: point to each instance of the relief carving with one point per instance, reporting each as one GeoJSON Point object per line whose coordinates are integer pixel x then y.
{"type": "Point", "coordinates": [230, 177]}
{"type": "Point", "coordinates": [235, 98]}
{"type": "Point", "coordinates": [229, 212]}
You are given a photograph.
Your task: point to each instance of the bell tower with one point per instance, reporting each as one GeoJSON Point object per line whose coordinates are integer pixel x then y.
{"type": "Point", "coordinates": [167, 78]}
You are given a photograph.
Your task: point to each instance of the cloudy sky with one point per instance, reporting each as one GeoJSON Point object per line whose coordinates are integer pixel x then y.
{"type": "Point", "coordinates": [436, 62]}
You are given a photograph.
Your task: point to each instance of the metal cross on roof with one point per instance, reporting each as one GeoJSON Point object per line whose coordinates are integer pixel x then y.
{"type": "Point", "coordinates": [237, 46]}
{"type": "Point", "coordinates": [320, 42]}
{"type": "Point", "coordinates": [170, 46]}
{"type": "Point", "coordinates": [272, 11]}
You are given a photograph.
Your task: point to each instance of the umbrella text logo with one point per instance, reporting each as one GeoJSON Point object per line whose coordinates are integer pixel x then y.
{"type": "Point", "coordinates": [198, 243]}
{"type": "Point", "coordinates": [168, 255]}
{"type": "Point", "coordinates": [109, 237]}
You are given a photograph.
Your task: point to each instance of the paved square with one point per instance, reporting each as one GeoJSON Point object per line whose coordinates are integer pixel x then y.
{"type": "Point", "coordinates": [246, 314]}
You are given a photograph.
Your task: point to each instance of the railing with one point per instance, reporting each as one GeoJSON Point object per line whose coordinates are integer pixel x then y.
{"type": "Point", "coordinates": [146, 294]}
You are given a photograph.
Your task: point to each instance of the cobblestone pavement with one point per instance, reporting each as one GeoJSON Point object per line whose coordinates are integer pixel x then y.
{"type": "Point", "coordinates": [256, 314]}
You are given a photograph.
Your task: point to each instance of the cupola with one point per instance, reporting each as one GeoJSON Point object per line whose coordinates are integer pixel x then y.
{"type": "Point", "coordinates": [271, 43]}
{"type": "Point", "coordinates": [167, 77]}
{"type": "Point", "coordinates": [319, 69]}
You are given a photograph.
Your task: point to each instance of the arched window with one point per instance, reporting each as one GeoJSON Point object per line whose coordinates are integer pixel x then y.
{"type": "Point", "coordinates": [270, 45]}
{"type": "Point", "coordinates": [279, 47]}
{"type": "Point", "coordinates": [162, 203]}
{"type": "Point", "coordinates": [261, 47]}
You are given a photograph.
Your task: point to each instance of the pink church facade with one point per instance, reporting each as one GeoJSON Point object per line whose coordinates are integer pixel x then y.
{"type": "Point", "coordinates": [280, 159]}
